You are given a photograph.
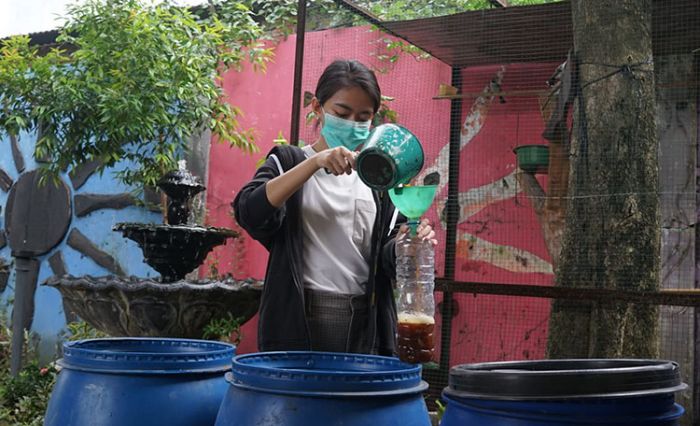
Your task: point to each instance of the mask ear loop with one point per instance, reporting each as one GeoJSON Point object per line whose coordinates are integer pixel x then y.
{"type": "Point", "coordinates": [320, 117]}
{"type": "Point", "coordinates": [323, 114]}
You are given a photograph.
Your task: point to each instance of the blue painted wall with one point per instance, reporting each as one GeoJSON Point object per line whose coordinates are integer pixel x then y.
{"type": "Point", "coordinates": [49, 320]}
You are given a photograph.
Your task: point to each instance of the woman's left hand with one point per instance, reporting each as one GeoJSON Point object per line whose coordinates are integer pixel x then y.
{"type": "Point", "coordinates": [424, 231]}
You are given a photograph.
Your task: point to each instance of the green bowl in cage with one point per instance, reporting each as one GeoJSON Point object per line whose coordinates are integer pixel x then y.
{"type": "Point", "coordinates": [533, 158]}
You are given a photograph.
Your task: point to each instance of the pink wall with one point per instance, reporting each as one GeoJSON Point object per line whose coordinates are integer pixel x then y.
{"type": "Point", "coordinates": [499, 237]}
{"type": "Point", "coordinates": [266, 100]}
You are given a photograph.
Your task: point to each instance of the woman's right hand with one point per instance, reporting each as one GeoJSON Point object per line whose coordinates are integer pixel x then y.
{"type": "Point", "coordinates": [337, 160]}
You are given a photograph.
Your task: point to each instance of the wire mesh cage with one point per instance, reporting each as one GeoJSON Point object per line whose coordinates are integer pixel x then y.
{"type": "Point", "coordinates": [565, 137]}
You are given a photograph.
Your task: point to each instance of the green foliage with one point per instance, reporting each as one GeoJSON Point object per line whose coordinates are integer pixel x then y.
{"type": "Point", "coordinates": [141, 79]}
{"type": "Point", "coordinates": [23, 399]}
{"type": "Point", "coordinates": [224, 329]}
{"type": "Point", "coordinates": [279, 140]}
{"type": "Point", "coordinates": [5, 340]}
{"type": "Point", "coordinates": [397, 10]}
{"type": "Point", "coordinates": [385, 114]}
{"type": "Point", "coordinates": [22, 72]}
{"type": "Point", "coordinates": [393, 10]}
{"type": "Point", "coordinates": [440, 409]}
{"type": "Point", "coordinates": [277, 17]}
{"type": "Point", "coordinates": [392, 49]}
{"type": "Point", "coordinates": [15, 110]}
{"type": "Point", "coordinates": [80, 330]}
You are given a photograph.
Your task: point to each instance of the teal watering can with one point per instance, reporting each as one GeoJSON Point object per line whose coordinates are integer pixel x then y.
{"type": "Point", "coordinates": [391, 156]}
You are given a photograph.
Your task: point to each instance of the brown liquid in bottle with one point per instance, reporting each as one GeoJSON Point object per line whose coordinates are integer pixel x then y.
{"type": "Point", "coordinates": [415, 338]}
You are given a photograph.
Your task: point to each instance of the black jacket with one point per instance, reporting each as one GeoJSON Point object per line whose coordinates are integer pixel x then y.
{"type": "Point", "coordinates": [282, 323]}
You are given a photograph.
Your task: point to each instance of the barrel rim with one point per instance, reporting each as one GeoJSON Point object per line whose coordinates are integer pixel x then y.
{"type": "Point", "coordinates": [96, 355]}
{"type": "Point", "coordinates": [560, 379]}
{"type": "Point", "coordinates": [250, 370]}
{"type": "Point", "coordinates": [419, 388]}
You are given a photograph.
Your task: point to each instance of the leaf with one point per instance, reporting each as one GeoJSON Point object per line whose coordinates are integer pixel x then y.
{"type": "Point", "coordinates": [280, 139]}
{"type": "Point", "coordinates": [308, 96]}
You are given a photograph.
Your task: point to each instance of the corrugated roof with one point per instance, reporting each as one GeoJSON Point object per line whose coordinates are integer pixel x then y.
{"type": "Point", "coordinates": [44, 37]}
{"type": "Point", "coordinates": [538, 33]}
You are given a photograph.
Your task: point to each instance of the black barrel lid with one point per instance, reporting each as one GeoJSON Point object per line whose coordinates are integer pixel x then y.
{"type": "Point", "coordinates": [564, 379]}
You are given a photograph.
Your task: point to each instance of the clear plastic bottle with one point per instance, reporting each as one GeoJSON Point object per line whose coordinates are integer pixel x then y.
{"type": "Point", "coordinates": [415, 281]}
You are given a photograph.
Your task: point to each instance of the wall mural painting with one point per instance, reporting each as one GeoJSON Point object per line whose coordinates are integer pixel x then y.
{"type": "Point", "coordinates": [55, 225]}
{"type": "Point", "coordinates": [498, 239]}
{"type": "Point", "coordinates": [470, 247]}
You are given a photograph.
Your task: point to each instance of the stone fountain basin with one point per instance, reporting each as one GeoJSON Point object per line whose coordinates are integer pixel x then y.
{"type": "Point", "coordinates": [141, 307]}
{"type": "Point", "coordinates": [174, 250]}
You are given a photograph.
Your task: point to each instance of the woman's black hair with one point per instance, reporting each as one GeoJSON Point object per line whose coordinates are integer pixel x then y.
{"type": "Point", "coordinates": [343, 74]}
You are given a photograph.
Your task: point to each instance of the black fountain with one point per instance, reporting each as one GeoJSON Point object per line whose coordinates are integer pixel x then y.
{"type": "Point", "coordinates": [173, 306]}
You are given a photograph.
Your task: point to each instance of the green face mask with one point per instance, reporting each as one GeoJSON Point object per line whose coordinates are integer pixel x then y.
{"type": "Point", "coordinates": [341, 132]}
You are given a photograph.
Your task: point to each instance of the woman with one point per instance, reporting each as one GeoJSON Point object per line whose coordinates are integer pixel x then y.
{"type": "Point", "coordinates": [328, 281]}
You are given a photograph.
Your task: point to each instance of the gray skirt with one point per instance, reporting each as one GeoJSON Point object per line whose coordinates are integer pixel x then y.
{"type": "Point", "coordinates": [337, 322]}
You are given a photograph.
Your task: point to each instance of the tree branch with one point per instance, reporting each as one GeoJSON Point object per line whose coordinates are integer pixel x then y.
{"type": "Point", "coordinates": [533, 190]}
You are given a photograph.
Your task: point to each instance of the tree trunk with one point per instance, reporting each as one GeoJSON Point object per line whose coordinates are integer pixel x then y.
{"type": "Point", "coordinates": [611, 238]}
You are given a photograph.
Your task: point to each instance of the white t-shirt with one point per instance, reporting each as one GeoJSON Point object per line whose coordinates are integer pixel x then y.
{"type": "Point", "coordinates": [337, 216]}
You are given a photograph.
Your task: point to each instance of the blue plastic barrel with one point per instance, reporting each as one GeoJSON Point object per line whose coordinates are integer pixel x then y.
{"type": "Point", "coordinates": [564, 392]}
{"type": "Point", "coordinates": [323, 388]}
{"type": "Point", "coordinates": [139, 381]}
